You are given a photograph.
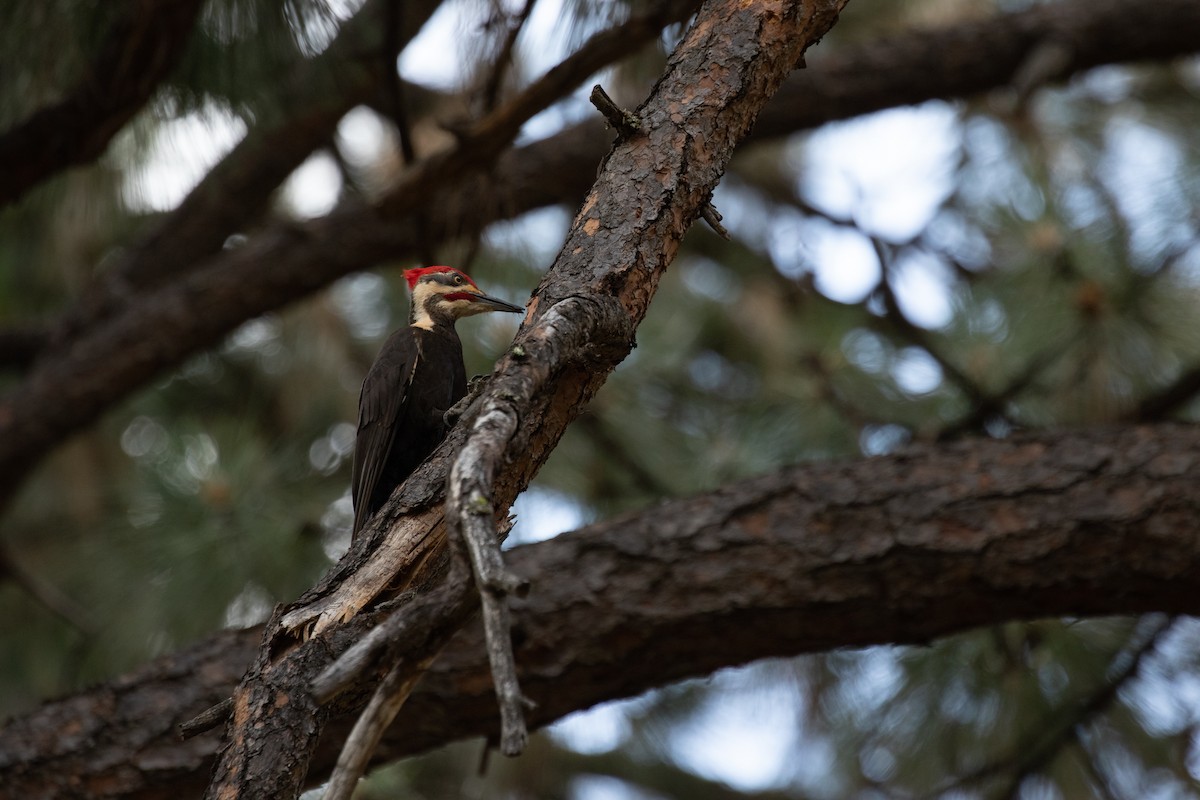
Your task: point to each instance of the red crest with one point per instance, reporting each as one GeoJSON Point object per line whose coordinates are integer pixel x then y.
{"type": "Point", "coordinates": [414, 275]}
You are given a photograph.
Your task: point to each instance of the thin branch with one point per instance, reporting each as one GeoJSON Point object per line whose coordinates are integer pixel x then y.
{"type": "Point", "coordinates": [1091, 766]}
{"type": "Point", "coordinates": [410, 641]}
{"type": "Point", "coordinates": [901, 324]}
{"type": "Point", "coordinates": [207, 719]}
{"type": "Point", "coordinates": [599, 51]}
{"type": "Point", "coordinates": [626, 124]}
{"type": "Point", "coordinates": [709, 214]}
{"type": "Point", "coordinates": [1049, 738]}
{"type": "Point", "coordinates": [360, 745]}
{"type": "Point", "coordinates": [470, 496]}
{"type": "Point", "coordinates": [473, 529]}
{"type": "Point", "coordinates": [392, 47]}
{"type": "Point", "coordinates": [46, 594]}
{"type": "Point", "coordinates": [815, 365]}
{"type": "Point", "coordinates": [994, 404]}
{"type": "Point", "coordinates": [490, 93]}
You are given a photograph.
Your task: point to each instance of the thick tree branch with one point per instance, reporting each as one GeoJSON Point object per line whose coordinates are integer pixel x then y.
{"type": "Point", "coordinates": [138, 53]}
{"type": "Point", "coordinates": [905, 548]}
{"type": "Point", "coordinates": [578, 327]}
{"type": "Point", "coordinates": [608, 271]}
{"type": "Point", "coordinates": [363, 237]}
{"type": "Point", "coordinates": [972, 57]}
{"type": "Point", "coordinates": [583, 315]}
{"type": "Point", "coordinates": [286, 262]}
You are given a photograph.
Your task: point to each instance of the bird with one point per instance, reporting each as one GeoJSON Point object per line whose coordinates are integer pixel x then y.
{"type": "Point", "coordinates": [417, 377]}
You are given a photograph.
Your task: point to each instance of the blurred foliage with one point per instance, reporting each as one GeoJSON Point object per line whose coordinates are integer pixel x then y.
{"type": "Point", "coordinates": [1050, 282]}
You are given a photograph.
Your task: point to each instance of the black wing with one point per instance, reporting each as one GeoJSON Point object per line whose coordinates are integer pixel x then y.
{"type": "Point", "coordinates": [381, 405]}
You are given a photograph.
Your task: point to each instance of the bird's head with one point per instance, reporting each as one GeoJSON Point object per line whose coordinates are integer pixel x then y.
{"type": "Point", "coordinates": [441, 295]}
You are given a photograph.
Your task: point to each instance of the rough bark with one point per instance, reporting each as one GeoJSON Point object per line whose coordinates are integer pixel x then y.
{"type": "Point", "coordinates": [311, 104]}
{"type": "Point", "coordinates": [137, 54]}
{"type": "Point", "coordinates": [285, 261]}
{"type": "Point", "coordinates": [903, 548]}
{"type": "Point", "coordinates": [225, 293]}
{"type": "Point", "coordinates": [578, 327]}
{"type": "Point", "coordinates": [277, 288]}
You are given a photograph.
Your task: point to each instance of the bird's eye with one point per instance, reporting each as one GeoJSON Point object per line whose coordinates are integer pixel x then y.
{"type": "Point", "coordinates": [458, 280]}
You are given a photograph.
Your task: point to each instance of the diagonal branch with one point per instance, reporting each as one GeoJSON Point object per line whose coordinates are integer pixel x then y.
{"type": "Point", "coordinates": [286, 261]}
{"type": "Point", "coordinates": [649, 191]}
{"type": "Point", "coordinates": [1066, 723]}
{"type": "Point", "coordinates": [235, 193]}
{"type": "Point", "coordinates": [489, 93]}
{"type": "Point", "coordinates": [600, 50]}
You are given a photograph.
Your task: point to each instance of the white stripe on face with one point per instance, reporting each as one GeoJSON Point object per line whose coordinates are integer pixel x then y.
{"type": "Point", "coordinates": [422, 293]}
{"type": "Point", "coordinates": [425, 296]}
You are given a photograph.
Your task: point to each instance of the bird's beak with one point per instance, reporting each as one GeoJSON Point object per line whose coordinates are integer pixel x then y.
{"type": "Point", "coordinates": [495, 303]}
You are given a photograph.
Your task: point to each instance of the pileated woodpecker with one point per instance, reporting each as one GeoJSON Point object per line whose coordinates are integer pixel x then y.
{"type": "Point", "coordinates": [416, 378]}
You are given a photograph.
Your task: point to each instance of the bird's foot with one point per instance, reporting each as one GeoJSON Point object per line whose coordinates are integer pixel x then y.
{"type": "Point", "coordinates": [460, 409]}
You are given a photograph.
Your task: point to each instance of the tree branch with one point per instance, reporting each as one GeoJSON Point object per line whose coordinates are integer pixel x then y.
{"type": "Point", "coordinates": [968, 58]}
{"type": "Point", "coordinates": [578, 327]}
{"type": "Point", "coordinates": [904, 548]}
{"type": "Point", "coordinates": [1064, 724]}
{"type": "Point", "coordinates": [138, 53]}
{"type": "Point", "coordinates": [233, 195]}
{"type": "Point", "coordinates": [285, 261]}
